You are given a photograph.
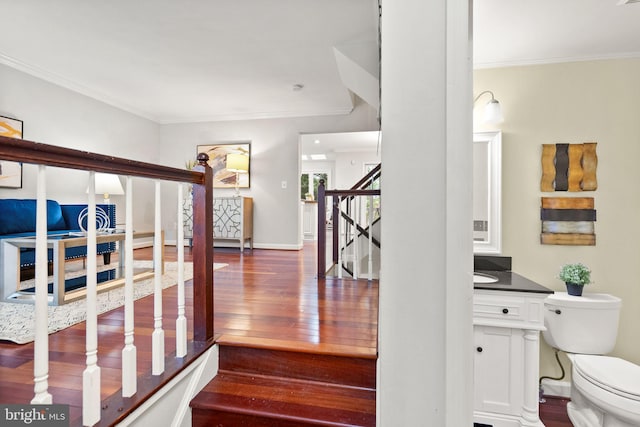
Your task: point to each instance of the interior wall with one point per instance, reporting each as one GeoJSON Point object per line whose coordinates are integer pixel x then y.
{"type": "Point", "coordinates": [57, 116]}
{"type": "Point", "coordinates": [425, 366]}
{"type": "Point", "coordinates": [275, 159]}
{"type": "Point", "coordinates": [350, 167]}
{"type": "Point", "coordinates": [577, 102]}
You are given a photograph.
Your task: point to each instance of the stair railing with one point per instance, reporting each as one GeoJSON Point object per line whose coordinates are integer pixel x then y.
{"type": "Point", "coordinates": [201, 180]}
{"type": "Point", "coordinates": [347, 230]}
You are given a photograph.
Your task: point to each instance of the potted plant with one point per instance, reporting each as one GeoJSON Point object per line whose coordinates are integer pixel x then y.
{"type": "Point", "coordinates": [575, 276]}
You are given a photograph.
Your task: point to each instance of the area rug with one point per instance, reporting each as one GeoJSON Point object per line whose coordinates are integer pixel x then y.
{"type": "Point", "coordinates": [17, 320]}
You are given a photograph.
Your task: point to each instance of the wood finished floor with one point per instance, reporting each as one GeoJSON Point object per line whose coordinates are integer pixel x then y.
{"type": "Point", "coordinates": [265, 296]}
{"type": "Point", "coordinates": [262, 296]}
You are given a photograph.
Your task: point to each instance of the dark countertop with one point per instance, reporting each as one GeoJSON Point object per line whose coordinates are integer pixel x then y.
{"type": "Point", "coordinates": [511, 282]}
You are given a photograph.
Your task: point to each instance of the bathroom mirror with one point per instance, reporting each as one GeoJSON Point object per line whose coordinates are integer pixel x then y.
{"type": "Point", "coordinates": [487, 176]}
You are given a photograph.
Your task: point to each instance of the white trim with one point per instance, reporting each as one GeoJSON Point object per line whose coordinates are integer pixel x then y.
{"type": "Point", "coordinates": [281, 246]}
{"type": "Point", "coordinates": [494, 243]}
{"type": "Point", "coordinates": [230, 244]}
{"type": "Point", "coordinates": [172, 401]}
{"type": "Point", "coordinates": [69, 84]}
{"type": "Point", "coordinates": [556, 388]}
{"type": "Point", "coordinates": [64, 82]}
{"type": "Point", "coordinates": [559, 60]}
{"type": "Point", "coordinates": [253, 116]}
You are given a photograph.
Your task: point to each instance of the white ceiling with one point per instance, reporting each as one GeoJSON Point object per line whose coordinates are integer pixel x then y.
{"type": "Point", "coordinates": [200, 60]}
{"type": "Point", "coordinates": [191, 60]}
{"type": "Point", "coordinates": [517, 32]}
{"type": "Point", "coordinates": [330, 144]}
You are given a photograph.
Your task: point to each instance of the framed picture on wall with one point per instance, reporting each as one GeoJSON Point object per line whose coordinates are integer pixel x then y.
{"type": "Point", "coordinates": [230, 161]}
{"type": "Point", "coordinates": [10, 172]}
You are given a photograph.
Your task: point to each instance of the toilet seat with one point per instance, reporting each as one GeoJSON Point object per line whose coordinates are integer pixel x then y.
{"type": "Point", "coordinates": [611, 383]}
{"type": "Point", "coordinates": [616, 375]}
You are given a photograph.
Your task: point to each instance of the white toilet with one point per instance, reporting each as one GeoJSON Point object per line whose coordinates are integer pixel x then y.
{"type": "Point", "coordinates": [606, 390]}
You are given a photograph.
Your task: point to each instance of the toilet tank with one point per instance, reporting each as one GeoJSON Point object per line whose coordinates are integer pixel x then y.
{"type": "Point", "coordinates": [587, 324]}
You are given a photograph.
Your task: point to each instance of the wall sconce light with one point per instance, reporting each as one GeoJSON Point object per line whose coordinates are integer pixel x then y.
{"type": "Point", "coordinates": [492, 111]}
{"type": "Point", "coordinates": [238, 163]}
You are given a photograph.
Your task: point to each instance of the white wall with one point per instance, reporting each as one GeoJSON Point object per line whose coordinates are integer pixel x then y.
{"type": "Point", "coordinates": [425, 326]}
{"type": "Point", "coordinates": [577, 102]}
{"type": "Point", "coordinates": [275, 157]}
{"type": "Point", "coordinates": [345, 169]}
{"type": "Point", "coordinates": [57, 116]}
{"type": "Point", "coordinates": [350, 167]}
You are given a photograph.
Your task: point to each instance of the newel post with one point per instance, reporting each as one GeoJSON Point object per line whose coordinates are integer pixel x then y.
{"type": "Point", "coordinates": [203, 252]}
{"type": "Point", "coordinates": [322, 231]}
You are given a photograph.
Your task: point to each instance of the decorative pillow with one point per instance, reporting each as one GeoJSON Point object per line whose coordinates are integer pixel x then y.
{"type": "Point", "coordinates": [19, 216]}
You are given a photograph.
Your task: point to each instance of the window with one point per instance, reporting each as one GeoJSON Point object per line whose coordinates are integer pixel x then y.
{"type": "Point", "coordinates": [309, 182]}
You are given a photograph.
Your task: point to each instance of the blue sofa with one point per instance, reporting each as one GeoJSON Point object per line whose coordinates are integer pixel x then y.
{"type": "Point", "coordinates": [18, 219]}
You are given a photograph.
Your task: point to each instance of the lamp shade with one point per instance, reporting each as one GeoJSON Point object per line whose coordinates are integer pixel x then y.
{"type": "Point", "coordinates": [493, 112]}
{"type": "Point", "coordinates": [107, 183]}
{"type": "Point", "coordinates": [237, 163]}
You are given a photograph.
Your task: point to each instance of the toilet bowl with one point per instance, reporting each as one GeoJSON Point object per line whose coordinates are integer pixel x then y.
{"type": "Point", "coordinates": [605, 391]}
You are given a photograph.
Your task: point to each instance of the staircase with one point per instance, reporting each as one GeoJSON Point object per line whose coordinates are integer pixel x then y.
{"type": "Point", "coordinates": [263, 382]}
{"type": "Point", "coordinates": [355, 229]}
{"type": "Point", "coordinates": [349, 252]}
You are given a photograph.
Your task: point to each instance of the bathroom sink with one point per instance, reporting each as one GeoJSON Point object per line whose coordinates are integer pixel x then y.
{"type": "Point", "coordinates": [484, 278]}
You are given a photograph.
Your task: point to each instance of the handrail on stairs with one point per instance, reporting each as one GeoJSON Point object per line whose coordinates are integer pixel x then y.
{"type": "Point", "coordinates": [337, 196]}
{"type": "Point", "coordinates": [200, 178]}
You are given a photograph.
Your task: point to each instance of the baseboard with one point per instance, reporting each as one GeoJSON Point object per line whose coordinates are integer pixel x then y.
{"type": "Point", "coordinates": [278, 246]}
{"type": "Point", "coordinates": [556, 388]}
{"type": "Point", "coordinates": [282, 247]}
{"type": "Point", "coordinates": [142, 243]}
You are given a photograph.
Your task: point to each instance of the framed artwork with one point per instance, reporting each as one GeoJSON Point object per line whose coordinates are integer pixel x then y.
{"type": "Point", "coordinates": [220, 157]}
{"type": "Point", "coordinates": [10, 172]}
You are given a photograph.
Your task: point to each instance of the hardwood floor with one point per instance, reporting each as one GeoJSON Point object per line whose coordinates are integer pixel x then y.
{"type": "Point", "coordinates": [262, 295]}
{"type": "Point", "coordinates": [553, 412]}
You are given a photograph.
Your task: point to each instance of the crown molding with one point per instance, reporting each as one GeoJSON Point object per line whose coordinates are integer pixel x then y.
{"type": "Point", "coordinates": [253, 116]}
{"type": "Point", "coordinates": [559, 60]}
{"type": "Point", "coordinates": [83, 90]}
{"type": "Point", "coordinates": [71, 85]}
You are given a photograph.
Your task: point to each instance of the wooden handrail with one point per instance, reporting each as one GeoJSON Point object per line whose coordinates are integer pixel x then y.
{"type": "Point", "coordinates": [371, 176]}
{"type": "Point", "coordinates": [25, 151]}
{"type": "Point", "coordinates": [347, 193]}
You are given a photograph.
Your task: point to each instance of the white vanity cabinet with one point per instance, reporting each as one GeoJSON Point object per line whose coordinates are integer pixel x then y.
{"type": "Point", "coordinates": [506, 334]}
{"type": "Point", "coordinates": [233, 219]}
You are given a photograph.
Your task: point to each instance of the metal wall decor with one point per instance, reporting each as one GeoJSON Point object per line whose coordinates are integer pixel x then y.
{"type": "Point", "coordinates": [568, 221]}
{"type": "Point", "coordinates": [569, 167]}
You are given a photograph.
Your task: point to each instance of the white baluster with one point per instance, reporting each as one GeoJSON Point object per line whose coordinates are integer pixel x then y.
{"type": "Point", "coordinates": [181, 321]}
{"type": "Point", "coordinates": [91, 374]}
{"type": "Point", "coordinates": [370, 250]}
{"type": "Point", "coordinates": [356, 236]}
{"type": "Point", "coordinates": [157, 338]}
{"type": "Point", "coordinates": [129, 352]}
{"type": "Point", "coordinates": [41, 342]}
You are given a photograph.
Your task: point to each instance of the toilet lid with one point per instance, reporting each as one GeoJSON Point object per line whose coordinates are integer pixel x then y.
{"type": "Point", "coordinates": [611, 373]}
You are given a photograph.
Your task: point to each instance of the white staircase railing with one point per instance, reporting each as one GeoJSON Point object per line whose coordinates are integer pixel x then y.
{"type": "Point", "coordinates": [355, 237]}
{"type": "Point", "coordinates": [91, 376]}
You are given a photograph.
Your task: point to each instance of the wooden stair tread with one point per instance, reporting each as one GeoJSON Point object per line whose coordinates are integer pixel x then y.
{"type": "Point", "coordinates": [297, 346]}
{"type": "Point", "coordinates": [283, 401]}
